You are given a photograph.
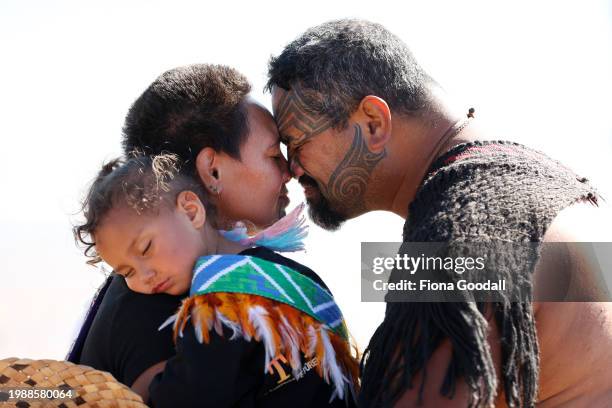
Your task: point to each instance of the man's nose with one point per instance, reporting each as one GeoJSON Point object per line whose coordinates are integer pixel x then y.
{"type": "Point", "coordinates": [296, 169]}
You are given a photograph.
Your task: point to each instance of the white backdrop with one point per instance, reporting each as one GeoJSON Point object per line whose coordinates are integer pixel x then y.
{"type": "Point", "coordinates": [537, 73]}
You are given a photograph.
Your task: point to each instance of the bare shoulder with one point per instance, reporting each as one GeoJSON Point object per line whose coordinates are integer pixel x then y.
{"type": "Point", "coordinates": [576, 255]}
{"type": "Point", "coordinates": [575, 328]}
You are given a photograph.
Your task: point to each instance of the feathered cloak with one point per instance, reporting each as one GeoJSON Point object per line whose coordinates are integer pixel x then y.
{"type": "Point", "coordinates": [288, 312]}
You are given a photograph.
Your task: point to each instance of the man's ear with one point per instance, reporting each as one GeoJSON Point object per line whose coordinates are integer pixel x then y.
{"type": "Point", "coordinates": [375, 116]}
{"type": "Point", "coordinates": [188, 203]}
{"type": "Point", "coordinates": [208, 171]}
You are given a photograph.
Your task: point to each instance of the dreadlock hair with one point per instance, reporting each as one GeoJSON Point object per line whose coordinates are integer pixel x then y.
{"type": "Point", "coordinates": [413, 330]}
{"type": "Point", "coordinates": [142, 183]}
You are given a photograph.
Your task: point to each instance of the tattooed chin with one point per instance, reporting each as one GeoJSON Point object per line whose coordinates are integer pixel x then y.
{"type": "Point", "coordinates": [319, 207]}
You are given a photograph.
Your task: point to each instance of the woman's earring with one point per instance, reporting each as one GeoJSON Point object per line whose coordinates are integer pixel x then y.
{"type": "Point", "coordinates": [213, 189]}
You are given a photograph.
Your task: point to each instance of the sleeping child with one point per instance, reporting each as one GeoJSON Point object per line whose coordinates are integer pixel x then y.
{"type": "Point", "coordinates": [257, 329]}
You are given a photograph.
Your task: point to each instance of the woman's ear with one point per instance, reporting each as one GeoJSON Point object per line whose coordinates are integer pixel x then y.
{"type": "Point", "coordinates": [208, 171]}
{"type": "Point", "coordinates": [375, 117]}
{"type": "Point", "coordinates": [188, 203]}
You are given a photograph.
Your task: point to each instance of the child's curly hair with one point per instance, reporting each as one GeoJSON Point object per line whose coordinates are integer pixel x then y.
{"type": "Point", "coordinates": [140, 182]}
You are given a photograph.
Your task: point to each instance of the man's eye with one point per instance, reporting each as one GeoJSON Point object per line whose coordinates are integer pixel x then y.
{"type": "Point", "coordinates": [144, 252]}
{"type": "Point", "coordinates": [292, 153]}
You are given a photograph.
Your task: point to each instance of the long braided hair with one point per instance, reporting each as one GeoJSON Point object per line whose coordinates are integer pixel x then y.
{"type": "Point", "coordinates": [411, 332]}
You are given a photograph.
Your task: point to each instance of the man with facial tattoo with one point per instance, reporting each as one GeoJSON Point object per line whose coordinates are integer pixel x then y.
{"type": "Point", "coordinates": [368, 129]}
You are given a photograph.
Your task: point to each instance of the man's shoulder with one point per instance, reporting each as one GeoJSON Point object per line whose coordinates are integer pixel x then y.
{"type": "Point", "coordinates": [490, 189]}
{"type": "Point", "coordinates": [575, 252]}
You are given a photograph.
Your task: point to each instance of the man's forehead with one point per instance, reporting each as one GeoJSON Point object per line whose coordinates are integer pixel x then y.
{"type": "Point", "coordinates": [293, 117]}
{"type": "Point", "coordinates": [279, 96]}
{"type": "Point", "coordinates": [277, 92]}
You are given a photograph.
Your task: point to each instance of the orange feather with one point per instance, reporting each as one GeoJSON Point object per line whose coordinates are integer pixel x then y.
{"type": "Point", "coordinates": [181, 318]}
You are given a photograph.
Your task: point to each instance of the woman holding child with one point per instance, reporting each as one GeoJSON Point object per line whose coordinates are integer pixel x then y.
{"type": "Point", "coordinates": [201, 156]}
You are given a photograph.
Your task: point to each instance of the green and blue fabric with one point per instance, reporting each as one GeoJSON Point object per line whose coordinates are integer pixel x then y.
{"type": "Point", "coordinates": [255, 276]}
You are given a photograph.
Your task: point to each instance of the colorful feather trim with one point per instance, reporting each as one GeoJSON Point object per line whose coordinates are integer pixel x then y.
{"type": "Point", "coordinates": [283, 330]}
{"type": "Point", "coordinates": [285, 235]}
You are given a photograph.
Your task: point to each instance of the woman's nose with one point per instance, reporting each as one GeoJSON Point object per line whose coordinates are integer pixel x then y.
{"type": "Point", "coordinates": [285, 171]}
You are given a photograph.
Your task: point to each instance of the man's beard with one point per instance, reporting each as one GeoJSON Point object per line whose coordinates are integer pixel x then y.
{"type": "Point", "coordinates": [319, 207]}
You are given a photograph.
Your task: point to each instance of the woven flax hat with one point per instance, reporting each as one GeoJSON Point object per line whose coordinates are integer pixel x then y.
{"type": "Point", "coordinates": [92, 388]}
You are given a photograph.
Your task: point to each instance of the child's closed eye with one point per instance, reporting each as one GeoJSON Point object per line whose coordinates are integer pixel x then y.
{"type": "Point", "coordinates": [125, 275]}
{"type": "Point", "coordinates": [144, 252]}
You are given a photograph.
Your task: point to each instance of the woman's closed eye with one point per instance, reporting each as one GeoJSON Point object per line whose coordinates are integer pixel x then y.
{"type": "Point", "coordinates": [279, 159]}
{"type": "Point", "coordinates": [276, 154]}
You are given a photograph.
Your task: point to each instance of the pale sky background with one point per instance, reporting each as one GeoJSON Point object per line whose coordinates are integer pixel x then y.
{"type": "Point", "coordinates": [537, 72]}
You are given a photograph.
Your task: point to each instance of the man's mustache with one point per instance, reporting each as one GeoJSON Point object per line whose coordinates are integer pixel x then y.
{"type": "Point", "coordinates": [307, 181]}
